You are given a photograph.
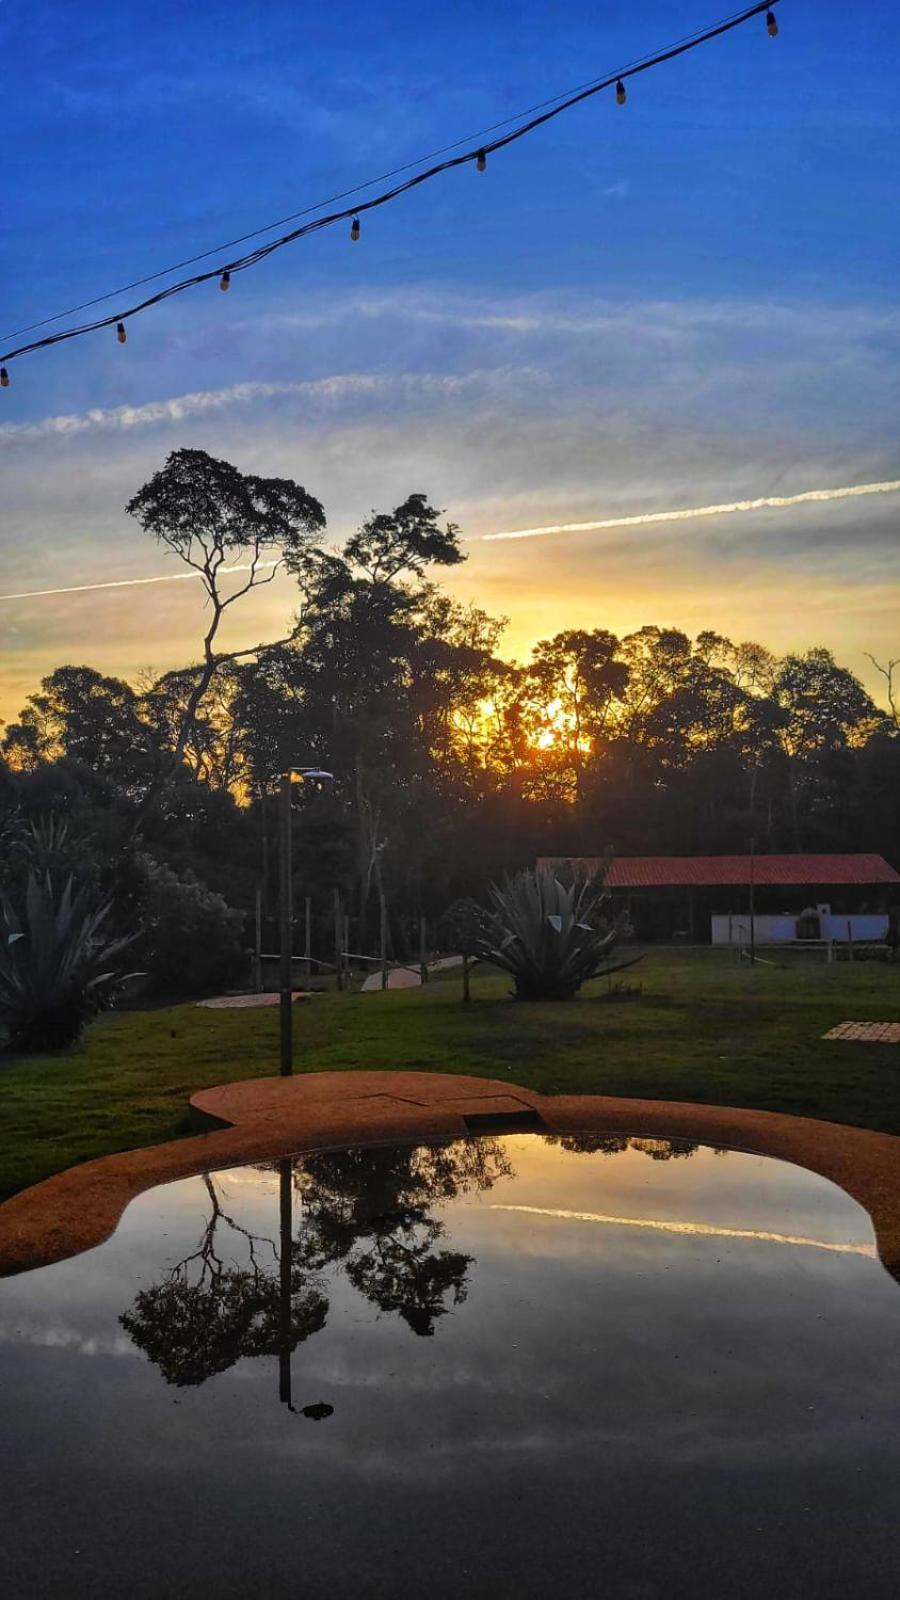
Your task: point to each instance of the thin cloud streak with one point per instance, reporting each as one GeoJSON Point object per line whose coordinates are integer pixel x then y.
{"type": "Point", "coordinates": [326, 392]}
{"type": "Point", "coordinates": [130, 583]}
{"type": "Point", "coordinates": [703, 1230]}
{"type": "Point", "coordinates": [123, 418]}
{"type": "Point", "coordinates": [769, 502]}
{"type": "Point", "coordinates": [766, 503]}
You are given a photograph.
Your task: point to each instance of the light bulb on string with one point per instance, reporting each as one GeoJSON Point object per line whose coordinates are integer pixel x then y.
{"type": "Point", "coordinates": [4, 378]}
{"type": "Point", "coordinates": [478, 156]}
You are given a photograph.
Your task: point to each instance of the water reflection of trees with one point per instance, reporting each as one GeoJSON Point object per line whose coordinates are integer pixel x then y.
{"type": "Point", "coordinates": [370, 1211]}
{"type": "Point", "coordinates": [612, 1144]}
{"type": "Point", "coordinates": [367, 1212]}
{"type": "Point", "coordinates": [207, 1313]}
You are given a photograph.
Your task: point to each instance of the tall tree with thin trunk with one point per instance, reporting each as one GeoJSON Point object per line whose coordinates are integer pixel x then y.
{"type": "Point", "coordinates": [221, 522]}
{"type": "Point", "coordinates": [890, 671]}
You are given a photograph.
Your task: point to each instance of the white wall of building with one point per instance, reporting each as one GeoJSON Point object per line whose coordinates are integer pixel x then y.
{"type": "Point", "coordinates": [735, 929]}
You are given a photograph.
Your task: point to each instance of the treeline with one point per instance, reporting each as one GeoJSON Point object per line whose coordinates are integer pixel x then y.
{"type": "Point", "coordinates": [451, 765]}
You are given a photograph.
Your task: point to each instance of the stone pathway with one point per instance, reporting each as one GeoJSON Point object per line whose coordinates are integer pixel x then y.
{"type": "Point", "coordinates": [397, 978]}
{"type": "Point", "coordinates": [224, 1002]}
{"type": "Point", "coordinates": [870, 1032]}
{"type": "Point", "coordinates": [408, 977]}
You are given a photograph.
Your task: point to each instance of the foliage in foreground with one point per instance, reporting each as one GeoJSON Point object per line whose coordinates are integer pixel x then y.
{"type": "Point", "coordinates": [550, 937]}
{"type": "Point", "coordinates": [57, 965]}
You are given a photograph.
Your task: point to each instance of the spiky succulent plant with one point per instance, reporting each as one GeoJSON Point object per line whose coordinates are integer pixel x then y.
{"type": "Point", "coordinates": [57, 965]}
{"type": "Point", "coordinates": [551, 937]}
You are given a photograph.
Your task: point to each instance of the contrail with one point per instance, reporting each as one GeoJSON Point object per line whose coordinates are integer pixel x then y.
{"type": "Point", "coordinates": [129, 583]}
{"type": "Point", "coordinates": [767, 503]}
{"type": "Point", "coordinates": [771, 502]}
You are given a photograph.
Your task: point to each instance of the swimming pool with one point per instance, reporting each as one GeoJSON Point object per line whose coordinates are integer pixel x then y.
{"type": "Point", "coordinates": [524, 1365]}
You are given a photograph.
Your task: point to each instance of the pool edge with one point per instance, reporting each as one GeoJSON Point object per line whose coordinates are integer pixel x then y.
{"type": "Point", "coordinates": [263, 1118]}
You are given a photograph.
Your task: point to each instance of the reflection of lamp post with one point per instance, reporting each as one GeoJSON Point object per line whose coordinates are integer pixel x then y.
{"type": "Point", "coordinates": [285, 909]}
{"type": "Point", "coordinates": [318, 1411]}
{"type": "Point", "coordinates": [285, 1182]}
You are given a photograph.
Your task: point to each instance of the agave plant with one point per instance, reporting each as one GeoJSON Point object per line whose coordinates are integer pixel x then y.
{"type": "Point", "coordinates": [550, 937]}
{"type": "Point", "coordinates": [57, 966]}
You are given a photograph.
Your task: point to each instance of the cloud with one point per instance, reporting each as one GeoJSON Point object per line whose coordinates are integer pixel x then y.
{"type": "Point", "coordinates": [693, 513]}
{"type": "Point", "coordinates": [642, 519]}
{"type": "Point", "coordinates": [513, 413]}
{"type": "Point", "coordinates": [323, 393]}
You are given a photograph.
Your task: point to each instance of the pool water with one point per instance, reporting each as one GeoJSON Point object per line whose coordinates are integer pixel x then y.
{"type": "Point", "coordinates": [519, 1366]}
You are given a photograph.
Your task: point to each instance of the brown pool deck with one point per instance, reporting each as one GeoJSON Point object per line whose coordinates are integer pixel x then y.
{"type": "Point", "coordinates": [263, 1118]}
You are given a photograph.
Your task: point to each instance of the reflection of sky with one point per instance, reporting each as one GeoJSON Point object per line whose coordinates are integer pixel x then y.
{"type": "Point", "coordinates": [696, 1414]}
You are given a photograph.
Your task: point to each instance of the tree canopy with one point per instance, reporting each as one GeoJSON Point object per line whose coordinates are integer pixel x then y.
{"type": "Point", "coordinates": [453, 766]}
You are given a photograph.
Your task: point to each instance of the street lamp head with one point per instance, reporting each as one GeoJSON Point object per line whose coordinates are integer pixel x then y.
{"type": "Point", "coordinates": [316, 773]}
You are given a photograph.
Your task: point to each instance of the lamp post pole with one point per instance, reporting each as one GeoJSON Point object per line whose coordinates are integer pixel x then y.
{"type": "Point", "coordinates": [752, 904]}
{"type": "Point", "coordinates": [286, 912]}
{"type": "Point", "coordinates": [286, 925]}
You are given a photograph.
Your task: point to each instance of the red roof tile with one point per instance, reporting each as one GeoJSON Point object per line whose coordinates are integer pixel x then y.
{"type": "Point", "coordinates": [700, 872]}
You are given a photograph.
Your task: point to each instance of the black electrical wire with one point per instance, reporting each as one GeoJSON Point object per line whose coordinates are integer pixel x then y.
{"type": "Point", "coordinates": [344, 194]}
{"type": "Point", "coordinates": [478, 153]}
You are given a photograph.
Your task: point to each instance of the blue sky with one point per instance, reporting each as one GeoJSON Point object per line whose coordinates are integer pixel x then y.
{"type": "Point", "coordinates": [689, 299]}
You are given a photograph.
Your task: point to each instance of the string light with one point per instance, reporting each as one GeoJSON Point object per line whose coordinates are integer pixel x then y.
{"type": "Point", "coordinates": [4, 378]}
{"type": "Point", "coordinates": [557, 105]}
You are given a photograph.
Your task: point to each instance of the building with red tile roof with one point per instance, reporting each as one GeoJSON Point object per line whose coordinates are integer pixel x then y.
{"type": "Point", "coordinates": [708, 872]}
{"type": "Point", "coordinates": [689, 896]}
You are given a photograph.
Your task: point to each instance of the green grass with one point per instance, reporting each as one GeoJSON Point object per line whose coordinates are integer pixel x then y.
{"type": "Point", "coordinates": [703, 1029]}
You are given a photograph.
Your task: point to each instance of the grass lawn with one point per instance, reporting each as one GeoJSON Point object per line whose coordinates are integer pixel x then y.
{"type": "Point", "coordinates": [703, 1029]}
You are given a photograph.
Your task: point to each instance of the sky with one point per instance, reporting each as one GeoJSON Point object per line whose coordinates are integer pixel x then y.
{"type": "Point", "coordinates": [689, 300]}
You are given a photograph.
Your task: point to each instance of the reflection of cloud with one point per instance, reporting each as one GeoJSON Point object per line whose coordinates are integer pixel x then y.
{"type": "Point", "coordinates": [701, 1229]}
{"type": "Point", "coordinates": [61, 1338]}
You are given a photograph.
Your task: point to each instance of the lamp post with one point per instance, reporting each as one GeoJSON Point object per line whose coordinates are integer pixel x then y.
{"type": "Point", "coordinates": [752, 904]}
{"type": "Point", "coordinates": [285, 908]}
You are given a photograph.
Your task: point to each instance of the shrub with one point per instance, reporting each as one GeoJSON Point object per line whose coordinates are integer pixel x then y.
{"type": "Point", "coordinates": [464, 928]}
{"type": "Point", "coordinates": [191, 940]}
{"type": "Point", "coordinates": [57, 965]}
{"type": "Point", "coordinates": [549, 937]}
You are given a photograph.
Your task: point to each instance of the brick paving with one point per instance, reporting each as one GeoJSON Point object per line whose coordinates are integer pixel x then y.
{"type": "Point", "coordinates": [869, 1032]}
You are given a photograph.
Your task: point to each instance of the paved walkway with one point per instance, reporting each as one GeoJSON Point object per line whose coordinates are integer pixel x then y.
{"type": "Point", "coordinates": [408, 977]}
{"type": "Point", "coordinates": [397, 978]}
{"type": "Point", "coordinates": [225, 1002]}
{"type": "Point", "coordinates": [868, 1032]}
